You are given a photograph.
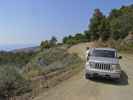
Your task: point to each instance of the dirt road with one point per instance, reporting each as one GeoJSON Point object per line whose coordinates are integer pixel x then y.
{"type": "Point", "coordinates": [78, 88]}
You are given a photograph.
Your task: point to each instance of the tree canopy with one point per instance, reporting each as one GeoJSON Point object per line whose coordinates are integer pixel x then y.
{"type": "Point", "coordinates": [116, 26]}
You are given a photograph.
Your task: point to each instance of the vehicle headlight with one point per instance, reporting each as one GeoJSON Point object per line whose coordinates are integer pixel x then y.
{"type": "Point", "coordinates": [116, 67]}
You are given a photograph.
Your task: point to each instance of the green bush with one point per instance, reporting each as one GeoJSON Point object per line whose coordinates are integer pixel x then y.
{"type": "Point", "coordinates": [45, 45]}
{"type": "Point", "coordinates": [50, 60]}
{"type": "Point", "coordinates": [12, 83]}
{"type": "Point", "coordinates": [18, 59]}
{"type": "Point", "coordinates": [32, 70]}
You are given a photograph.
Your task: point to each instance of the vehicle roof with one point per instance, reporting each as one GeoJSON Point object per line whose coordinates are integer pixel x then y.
{"type": "Point", "coordinates": [111, 49]}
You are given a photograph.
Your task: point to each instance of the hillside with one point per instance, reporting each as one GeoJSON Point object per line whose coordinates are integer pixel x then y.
{"type": "Point", "coordinates": [78, 88]}
{"type": "Point", "coordinates": [50, 60]}
{"type": "Point", "coordinates": [38, 71]}
{"type": "Point", "coordinates": [26, 50]}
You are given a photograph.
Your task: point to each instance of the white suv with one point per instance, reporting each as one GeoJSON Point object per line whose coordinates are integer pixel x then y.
{"type": "Point", "coordinates": [102, 62]}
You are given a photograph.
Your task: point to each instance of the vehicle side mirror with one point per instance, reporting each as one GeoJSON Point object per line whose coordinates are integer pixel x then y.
{"type": "Point", "coordinates": [120, 57]}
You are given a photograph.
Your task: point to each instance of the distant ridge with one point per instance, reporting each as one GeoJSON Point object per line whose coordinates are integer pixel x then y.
{"type": "Point", "coordinates": [26, 50]}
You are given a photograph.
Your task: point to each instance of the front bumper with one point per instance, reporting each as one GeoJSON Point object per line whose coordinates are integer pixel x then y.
{"type": "Point", "coordinates": [106, 74]}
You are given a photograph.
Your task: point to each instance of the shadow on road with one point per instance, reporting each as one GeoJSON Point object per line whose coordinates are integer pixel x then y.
{"type": "Point", "coordinates": [122, 81]}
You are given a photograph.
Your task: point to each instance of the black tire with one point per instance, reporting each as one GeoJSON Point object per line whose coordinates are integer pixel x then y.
{"type": "Point", "coordinates": [88, 76]}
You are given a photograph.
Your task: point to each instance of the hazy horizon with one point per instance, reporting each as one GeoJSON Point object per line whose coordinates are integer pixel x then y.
{"type": "Point", "coordinates": [9, 47]}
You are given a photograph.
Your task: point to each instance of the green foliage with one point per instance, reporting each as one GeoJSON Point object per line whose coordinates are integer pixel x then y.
{"type": "Point", "coordinates": [99, 26]}
{"type": "Point", "coordinates": [12, 83]}
{"type": "Point", "coordinates": [115, 13]}
{"type": "Point", "coordinates": [17, 59]}
{"type": "Point", "coordinates": [105, 30]}
{"type": "Point", "coordinates": [32, 70]}
{"type": "Point", "coordinates": [48, 43]}
{"type": "Point", "coordinates": [50, 60]}
{"type": "Point", "coordinates": [87, 35]}
{"type": "Point", "coordinates": [116, 26]}
{"type": "Point", "coordinates": [45, 45]}
{"type": "Point", "coordinates": [77, 38]}
{"type": "Point", "coordinates": [121, 21]}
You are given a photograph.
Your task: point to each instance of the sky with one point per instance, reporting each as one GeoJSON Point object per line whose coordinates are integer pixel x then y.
{"type": "Point", "coordinates": [31, 21]}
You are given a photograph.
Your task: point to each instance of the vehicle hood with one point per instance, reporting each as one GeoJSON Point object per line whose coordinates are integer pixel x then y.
{"type": "Point", "coordinates": [104, 60]}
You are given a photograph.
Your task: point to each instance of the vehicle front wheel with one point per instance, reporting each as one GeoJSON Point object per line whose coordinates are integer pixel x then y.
{"type": "Point", "coordinates": [88, 76]}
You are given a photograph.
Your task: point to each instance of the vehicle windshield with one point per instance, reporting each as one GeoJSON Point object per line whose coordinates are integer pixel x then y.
{"type": "Point", "coordinates": [103, 53]}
